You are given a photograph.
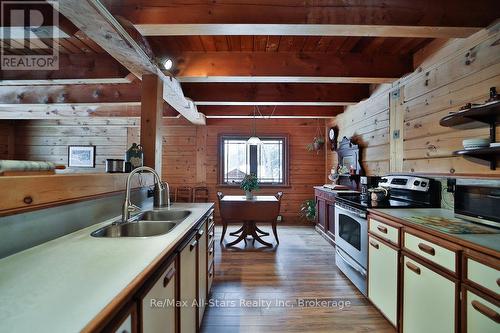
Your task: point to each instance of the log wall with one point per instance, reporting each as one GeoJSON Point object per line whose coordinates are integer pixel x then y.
{"type": "Point", "coordinates": [450, 75]}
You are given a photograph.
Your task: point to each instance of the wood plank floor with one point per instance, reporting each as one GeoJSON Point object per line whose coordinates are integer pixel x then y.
{"type": "Point", "coordinates": [302, 267]}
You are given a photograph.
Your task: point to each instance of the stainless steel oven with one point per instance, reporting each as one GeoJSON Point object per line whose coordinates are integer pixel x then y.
{"type": "Point", "coordinates": [351, 238]}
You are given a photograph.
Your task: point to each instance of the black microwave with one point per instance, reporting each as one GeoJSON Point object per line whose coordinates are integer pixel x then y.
{"type": "Point", "coordinates": [478, 201]}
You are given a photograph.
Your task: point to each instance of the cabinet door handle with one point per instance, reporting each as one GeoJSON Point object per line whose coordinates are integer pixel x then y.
{"type": "Point", "coordinates": [490, 313]}
{"type": "Point", "coordinates": [427, 249]}
{"type": "Point", "coordinates": [375, 245]}
{"type": "Point", "coordinates": [382, 229]}
{"type": "Point", "coordinates": [193, 245]}
{"type": "Point", "coordinates": [413, 267]}
{"type": "Point", "coordinates": [211, 251]}
{"type": "Point", "coordinates": [200, 233]}
{"type": "Point", "coordinates": [168, 277]}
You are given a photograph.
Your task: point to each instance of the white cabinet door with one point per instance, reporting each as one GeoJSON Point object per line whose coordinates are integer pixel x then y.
{"type": "Point", "coordinates": [482, 316]}
{"type": "Point", "coordinates": [202, 270]}
{"type": "Point", "coordinates": [158, 306]}
{"type": "Point", "coordinates": [383, 278]}
{"type": "Point", "coordinates": [188, 292]}
{"type": "Point", "coordinates": [428, 300]}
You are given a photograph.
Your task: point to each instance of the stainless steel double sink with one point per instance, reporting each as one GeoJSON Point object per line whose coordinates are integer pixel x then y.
{"type": "Point", "coordinates": [145, 224]}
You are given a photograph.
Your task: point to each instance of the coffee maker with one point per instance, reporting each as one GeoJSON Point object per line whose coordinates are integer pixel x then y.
{"type": "Point", "coordinates": [366, 183]}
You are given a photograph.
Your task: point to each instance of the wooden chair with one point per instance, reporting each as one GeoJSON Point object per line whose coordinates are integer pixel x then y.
{"type": "Point", "coordinates": [200, 194]}
{"type": "Point", "coordinates": [183, 194]}
{"type": "Point", "coordinates": [227, 214]}
{"type": "Point", "coordinates": [279, 195]}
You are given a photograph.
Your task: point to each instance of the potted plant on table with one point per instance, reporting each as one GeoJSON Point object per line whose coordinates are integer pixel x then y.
{"type": "Point", "coordinates": [248, 184]}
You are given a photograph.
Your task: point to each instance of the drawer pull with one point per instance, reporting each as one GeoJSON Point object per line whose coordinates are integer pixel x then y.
{"type": "Point", "coordinates": [168, 277]}
{"type": "Point", "coordinates": [200, 232]}
{"type": "Point", "coordinates": [193, 245]}
{"type": "Point", "coordinates": [413, 267]}
{"type": "Point", "coordinates": [382, 229]}
{"type": "Point", "coordinates": [492, 314]}
{"type": "Point", "coordinates": [372, 243]}
{"type": "Point", "coordinates": [427, 249]}
{"type": "Point", "coordinates": [211, 251]}
{"type": "Point", "coordinates": [210, 235]}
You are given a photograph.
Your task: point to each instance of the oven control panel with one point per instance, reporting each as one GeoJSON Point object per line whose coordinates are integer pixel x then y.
{"type": "Point", "coordinates": [405, 182]}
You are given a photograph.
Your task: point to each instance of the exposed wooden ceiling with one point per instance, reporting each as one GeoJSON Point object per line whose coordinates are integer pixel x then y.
{"type": "Point", "coordinates": [224, 67]}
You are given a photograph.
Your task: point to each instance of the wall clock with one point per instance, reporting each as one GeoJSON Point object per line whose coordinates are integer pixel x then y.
{"type": "Point", "coordinates": [333, 134]}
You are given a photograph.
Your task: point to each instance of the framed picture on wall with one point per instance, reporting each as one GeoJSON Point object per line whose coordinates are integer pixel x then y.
{"type": "Point", "coordinates": [81, 156]}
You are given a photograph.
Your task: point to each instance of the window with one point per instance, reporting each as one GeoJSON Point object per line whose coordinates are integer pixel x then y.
{"type": "Point", "coordinates": [268, 160]}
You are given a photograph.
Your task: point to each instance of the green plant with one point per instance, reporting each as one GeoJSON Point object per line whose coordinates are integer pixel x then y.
{"type": "Point", "coordinates": [308, 210]}
{"type": "Point", "coordinates": [250, 183]}
{"type": "Point", "coordinates": [317, 143]}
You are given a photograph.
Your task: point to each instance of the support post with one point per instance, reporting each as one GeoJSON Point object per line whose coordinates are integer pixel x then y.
{"type": "Point", "coordinates": [151, 118]}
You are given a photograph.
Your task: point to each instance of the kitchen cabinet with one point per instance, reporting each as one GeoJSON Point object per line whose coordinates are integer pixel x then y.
{"type": "Point", "coordinates": [321, 213]}
{"type": "Point", "coordinates": [429, 299]}
{"type": "Point", "coordinates": [481, 313]}
{"type": "Point", "coordinates": [159, 311]}
{"type": "Point", "coordinates": [202, 269]}
{"type": "Point", "coordinates": [330, 216]}
{"type": "Point", "coordinates": [383, 261]}
{"type": "Point", "coordinates": [188, 285]}
{"type": "Point", "coordinates": [480, 293]}
{"type": "Point", "coordinates": [325, 213]}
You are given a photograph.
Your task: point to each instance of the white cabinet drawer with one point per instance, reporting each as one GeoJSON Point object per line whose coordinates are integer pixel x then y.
{"type": "Point", "coordinates": [485, 276]}
{"type": "Point", "coordinates": [431, 251]}
{"type": "Point", "coordinates": [482, 316]}
{"type": "Point", "coordinates": [428, 300]}
{"type": "Point", "coordinates": [383, 278]}
{"type": "Point", "coordinates": [384, 231]}
{"type": "Point", "coordinates": [158, 308]}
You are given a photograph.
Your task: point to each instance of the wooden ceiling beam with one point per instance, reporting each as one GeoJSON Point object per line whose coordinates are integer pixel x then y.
{"type": "Point", "coordinates": [68, 94]}
{"type": "Point", "coordinates": [446, 13]}
{"type": "Point", "coordinates": [284, 79]}
{"type": "Point", "coordinates": [72, 66]}
{"type": "Point", "coordinates": [348, 65]}
{"type": "Point", "coordinates": [77, 110]}
{"type": "Point", "coordinates": [276, 92]}
{"type": "Point", "coordinates": [92, 17]}
{"type": "Point", "coordinates": [305, 30]}
{"type": "Point", "coordinates": [270, 111]}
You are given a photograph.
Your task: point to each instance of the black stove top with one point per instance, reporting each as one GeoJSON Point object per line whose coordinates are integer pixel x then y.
{"type": "Point", "coordinates": [356, 202]}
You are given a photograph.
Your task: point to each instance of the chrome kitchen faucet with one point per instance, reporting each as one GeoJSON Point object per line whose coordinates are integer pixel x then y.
{"type": "Point", "coordinates": [161, 194]}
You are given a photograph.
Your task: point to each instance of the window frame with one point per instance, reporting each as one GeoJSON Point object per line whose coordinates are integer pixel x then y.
{"type": "Point", "coordinates": [286, 154]}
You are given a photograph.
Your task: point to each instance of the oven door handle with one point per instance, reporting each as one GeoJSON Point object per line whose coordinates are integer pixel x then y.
{"type": "Point", "coordinates": [359, 270]}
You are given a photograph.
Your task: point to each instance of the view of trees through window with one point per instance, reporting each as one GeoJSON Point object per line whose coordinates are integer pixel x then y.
{"type": "Point", "coordinates": [266, 160]}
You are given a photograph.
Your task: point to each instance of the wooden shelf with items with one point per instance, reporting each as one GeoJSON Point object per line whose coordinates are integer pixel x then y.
{"type": "Point", "coordinates": [487, 114]}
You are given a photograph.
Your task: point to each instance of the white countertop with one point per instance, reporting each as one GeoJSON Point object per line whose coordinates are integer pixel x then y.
{"type": "Point", "coordinates": [489, 241]}
{"type": "Point", "coordinates": [61, 285]}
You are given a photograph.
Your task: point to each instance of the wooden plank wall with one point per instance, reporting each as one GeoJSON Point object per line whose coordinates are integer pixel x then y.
{"type": "Point", "coordinates": [368, 124]}
{"type": "Point", "coordinates": [450, 75]}
{"type": "Point", "coordinates": [48, 140]}
{"type": "Point", "coordinates": [190, 157]}
{"type": "Point", "coordinates": [189, 152]}
{"type": "Point", "coordinates": [6, 139]}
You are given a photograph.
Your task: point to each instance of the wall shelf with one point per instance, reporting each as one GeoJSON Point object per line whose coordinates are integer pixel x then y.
{"type": "Point", "coordinates": [488, 154]}
{"type": "Point", "coordinates": [488, 114]}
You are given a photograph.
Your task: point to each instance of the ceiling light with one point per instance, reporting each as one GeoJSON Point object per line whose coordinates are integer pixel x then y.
{"type": "Point", "coordinates": [254, 139]}
{"type": "Point", "coordinates": [167, 64]}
